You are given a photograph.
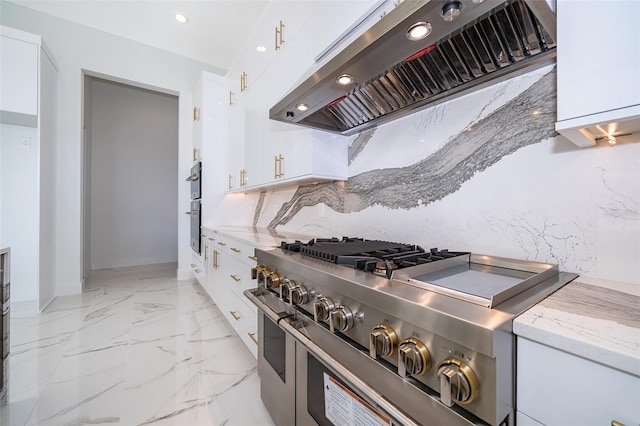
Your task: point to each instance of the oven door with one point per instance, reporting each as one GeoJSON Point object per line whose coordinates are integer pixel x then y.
{"type": "Point", "coordinates": [196, 181]}
{"type": "Point", "coordinates": [276, 357]}
{"type": "Point", "coordinates": [195, 226]}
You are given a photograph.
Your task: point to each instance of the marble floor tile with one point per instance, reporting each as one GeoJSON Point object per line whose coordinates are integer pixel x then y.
{"type": "Point", "coordinates": [136, 347]}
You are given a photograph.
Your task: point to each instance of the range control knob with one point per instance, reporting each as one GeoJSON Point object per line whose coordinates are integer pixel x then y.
{"type": "Point", "coordinates": [285, 289]}
{"type": "Point", "coordinates": [413, 358]}
{"type": "Point", "coordinates": [321, 309]}
{"type": "Point", "coordinates": [458, 383]}
{"type": "Point", "coordinates": [263, 273]}
{"type": "Point", "coordinates": [300, 295]}
{"type": "Point", "coordinates": [383, 341]}
{"type": "Point", "coordinates": [273, 280]}
{"type": "Point", "coordinates": [341, 319]}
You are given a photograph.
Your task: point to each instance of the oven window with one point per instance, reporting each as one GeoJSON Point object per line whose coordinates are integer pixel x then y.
{"type": "Point", "coordinates": [274, 347]}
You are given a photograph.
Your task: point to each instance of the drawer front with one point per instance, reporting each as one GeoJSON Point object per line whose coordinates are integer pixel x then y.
{"type": "Point", "coordinates": [242, 251]}
{"type": "Point", "coordinates": [198, 270]}
{"type": "Point", "coordinates": [243, 320]}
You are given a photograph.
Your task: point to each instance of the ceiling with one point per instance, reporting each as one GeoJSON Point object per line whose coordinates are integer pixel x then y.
{"type": "Point", "coordinates": [216, 30]}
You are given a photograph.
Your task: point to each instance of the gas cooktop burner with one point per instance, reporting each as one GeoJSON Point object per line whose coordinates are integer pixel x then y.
{"type": "Point", "coordinates": [381, 257]}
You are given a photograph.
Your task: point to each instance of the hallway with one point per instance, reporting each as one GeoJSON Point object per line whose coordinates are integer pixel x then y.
{"type": "Point", "coordinates": [137, 347]}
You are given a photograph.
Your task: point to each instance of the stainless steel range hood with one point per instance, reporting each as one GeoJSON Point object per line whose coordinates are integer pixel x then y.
{"type": "Point", "coordinates": [486, 42]}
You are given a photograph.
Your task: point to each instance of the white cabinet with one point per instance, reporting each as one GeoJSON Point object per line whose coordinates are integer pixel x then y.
{"type": "Point", "coordinates": [19, 84]}
{"type": "Point", "coordinates": [277, 153]}
{"type": "Point", "coordinates": [558, 388]}
{"type": "Point", "coordinates": [27, 164]}
{"type": "Point", "coordinates": [228, 275]}
{"type": "Point", "coordinates": [598, 71]}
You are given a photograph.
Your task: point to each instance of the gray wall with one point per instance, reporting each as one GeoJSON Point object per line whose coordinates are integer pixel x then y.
{"type": "Point", "coordinates": [134, 175]}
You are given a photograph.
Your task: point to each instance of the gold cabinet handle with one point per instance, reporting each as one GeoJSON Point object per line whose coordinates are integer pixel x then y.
{"type": "Point", "coordinates": [211, 239]}
{"type": "Point", "coordinates": [193, 265]}
{"type": "Point", "coordinates": [279, 36]}
{"type": "Point", "coordinates": [206, 253]}
{"type": "Point", "coordinates": [235, 277]}
{"type": "Point", "coordinates": [277, 173]}
{"type": "Point", "coordinates": [221, 243]}
{"type": "Point", "coordinates": [216, 265]}
{"type": "Point", "coordinates": [198, 271]}
{"type": "Point", "coordinates": [230, 97]}
{"type": "Point", "coordinates": [255, 259]}
{"type": "Point", "coordinates": [237, 250]}
{"type": "Point", "coordinates": [616, 423]}
{"type": "Point", "coordinates": [253, 337]}
{"type": "Point", "coordinates": [233, 314]}
{"type": "Point", "coordinates": [195, 154]}
{"type": "Point", "coordinates": [196, 114]}
{"type": "Point", "coordinates": [230, 179]}
{"type": "Point", "coordinates": [243, 82]}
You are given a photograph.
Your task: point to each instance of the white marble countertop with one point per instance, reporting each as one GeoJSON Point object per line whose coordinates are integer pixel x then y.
{"type": "Point", "coordinates": [260, 237]}
{"type": "Point", "coordinates": [596, 319]}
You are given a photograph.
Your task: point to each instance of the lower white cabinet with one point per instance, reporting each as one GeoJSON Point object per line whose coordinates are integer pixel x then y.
{"type": "Point", "coordinates": [228, 266]}
{"type": "Point", "coordinates": [558, 388]}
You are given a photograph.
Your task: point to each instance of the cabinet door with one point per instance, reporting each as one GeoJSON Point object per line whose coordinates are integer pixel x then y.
{"type": "Point", "coordinates": [196, 115]}
{"type": "Point", "coordinates": [235, 138]}
{"type": "Point", "coordinates": [557, 388]}
{"type": "Point", "coordinates": [597, 70]}
{"type": "Point", "coordinates": [19, 76]}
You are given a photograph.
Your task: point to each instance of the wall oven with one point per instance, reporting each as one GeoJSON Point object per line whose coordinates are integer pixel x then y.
{"type": "Point", "coordinates": [196, 208]}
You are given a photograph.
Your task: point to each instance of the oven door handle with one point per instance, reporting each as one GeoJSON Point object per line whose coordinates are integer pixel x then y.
{"type": "Point", "coordinates": [253, 294]}
{"type": "Point", "coordinates": [375, 399]}
{"type": "Point", "coordinates": [192, 178]}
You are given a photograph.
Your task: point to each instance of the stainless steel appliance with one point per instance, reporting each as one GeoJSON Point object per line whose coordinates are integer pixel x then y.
{"type": "Point", "coordinates": [390, 70]}
{"type": "Point", "coordinates": [196, 181]}
{"type": "Point", "coordinates": [196, 207]}
{"type": "Point", "coordinates": [390, 331]}
{"type": "Point", "coordinates": [196, 223]}
{"type": "Point", "coordinates": [4, 323]}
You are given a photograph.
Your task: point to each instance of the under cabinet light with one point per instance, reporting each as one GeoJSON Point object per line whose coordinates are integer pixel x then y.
{"type": "Point", "coordinates": [261, 49]}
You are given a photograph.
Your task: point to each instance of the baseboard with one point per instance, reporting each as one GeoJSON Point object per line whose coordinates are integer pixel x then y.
{"type": "Point", "coordinates": [23, 305]}
{"type": "Point", "coordinates": [183, 274]}
{"type": "Point", "coordinates": [69, 289]}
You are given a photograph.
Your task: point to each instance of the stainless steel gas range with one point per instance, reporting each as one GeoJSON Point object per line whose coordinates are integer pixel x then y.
{"type": "Point", "coordinates": [369, 332]}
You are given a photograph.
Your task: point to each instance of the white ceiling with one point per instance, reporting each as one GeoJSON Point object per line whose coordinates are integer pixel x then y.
{"type": "Point", "coordinates": [215, 33]}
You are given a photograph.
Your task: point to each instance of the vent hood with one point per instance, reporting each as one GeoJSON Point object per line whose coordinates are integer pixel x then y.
{"type": "Point", "coordinates": [472, 44]}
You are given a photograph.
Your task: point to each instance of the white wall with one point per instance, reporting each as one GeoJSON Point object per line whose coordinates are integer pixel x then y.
{"type": "Point", "coordinates": [77, 48]}
{"type": "Point", "coordinates": [134, 176]}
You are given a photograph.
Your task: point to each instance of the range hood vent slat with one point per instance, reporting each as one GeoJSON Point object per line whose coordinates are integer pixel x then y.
{"type": "Point", "coordinates": [487, 43]}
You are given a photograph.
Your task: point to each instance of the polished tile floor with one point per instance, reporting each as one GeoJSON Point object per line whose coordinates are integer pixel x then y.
{"type": "Point", "coordinates": [136, 347]}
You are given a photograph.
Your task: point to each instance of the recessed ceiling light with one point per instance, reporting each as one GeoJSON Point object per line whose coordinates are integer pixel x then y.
{"type": "Point", "coordinates": [261, 49]}
{"type": "Point", "coordinates": [181, 18]}
{"type": "Point", "coordinates": [344, 79]}
{"type": "Point", "coordinates": [418, 31]}
{"type": "Point", "coordinates": [302, 107]}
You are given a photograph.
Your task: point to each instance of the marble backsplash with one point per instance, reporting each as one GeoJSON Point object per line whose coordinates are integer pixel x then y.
{"type": "Point", "coordinates": [486, 173]}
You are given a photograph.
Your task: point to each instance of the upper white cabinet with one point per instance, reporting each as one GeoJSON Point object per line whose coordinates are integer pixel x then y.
{"type": "Point", "coordinates": [209, 133]}
{"type": "Point", "coordinates": [276, 153]}
{"type": "Point", "coordinates": [28, 109]}
{"type": "Point", "coordinates": [598, 69]}
{"type": "Point", "coordinates": [19, 76]}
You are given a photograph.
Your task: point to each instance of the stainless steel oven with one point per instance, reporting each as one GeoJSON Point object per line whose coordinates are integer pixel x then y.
{"type": "Point", "coordinates": [381, 333]}
{"type": "Point", "coordinates": [196, 223]}
{"type": "Point", "coordinates": [196, 181]}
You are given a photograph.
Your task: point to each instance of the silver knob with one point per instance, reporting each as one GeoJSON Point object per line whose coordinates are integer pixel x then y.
{"type": "Point", "coordinates": [285, 289]}
{"type": "Point", "coordinates": [341, 319]}
{"type": "Point", "coordinates": [458, 383]}
{"type": "Point", "coordinates": [322, 308]}
{"type": "Point", "coordinates": [413, 358]}
{"type": "Point", "coordinates": [300, 295]}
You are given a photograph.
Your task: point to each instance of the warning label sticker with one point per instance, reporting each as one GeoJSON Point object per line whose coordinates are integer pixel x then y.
{"type": "Point", "coordinates": [343, 407]}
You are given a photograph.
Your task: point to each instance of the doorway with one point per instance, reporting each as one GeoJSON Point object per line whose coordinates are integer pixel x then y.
{"type": "Point", "coordinates": [130, 175]}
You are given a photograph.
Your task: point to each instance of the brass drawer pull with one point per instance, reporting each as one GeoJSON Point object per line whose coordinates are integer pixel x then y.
{"type": "Point", "coordinates": [233, 314]}
{"type": "Point", "coordinates": [255, 259]}
{"type": "Point", "coordinates": [198, 271]}
{"type": "Point", "coordinates": [616, 423]}
{"type": "Point", "coordinates": [193, 265]}
{"type": "Point", "coordinates": [237, 250]}
{"type": "Point", "coordinates": [221, 243]}
{"type": "Point", "coordinates": [235, 277]}
{"type": "Point", "coordinates": [211, 239]}
{"type": "Point", "coordinates": [253, 337]}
